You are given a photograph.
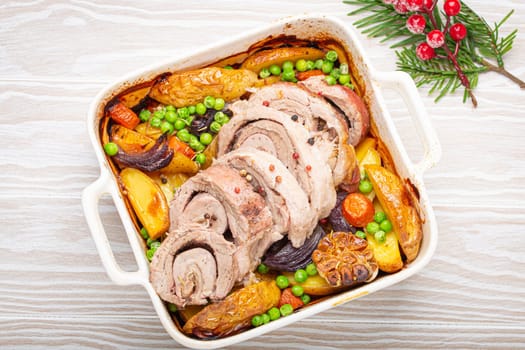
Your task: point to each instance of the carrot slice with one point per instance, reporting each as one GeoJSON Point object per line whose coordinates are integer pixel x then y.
{"type": "Point", "coordinates": [180, 147]}
{"type": "Point", "coordinates": [308, 74]}
{"type": "Point", "coordinates": [123, 115]}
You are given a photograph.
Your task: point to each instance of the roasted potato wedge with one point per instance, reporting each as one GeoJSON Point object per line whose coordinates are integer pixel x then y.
{"type": "Point", "coordinates": [387, 254]}
{"type": "Point", "coordinates": [235, 311]}
{"type": "Point", "coordinates": [181, 164]}
{"type": "Point", "coordinates": [129, 140]}
{"type": "Point", "coordinates": [191, 87]}
{"type": "Point", "coordinates": [148, 130]}
{"type": "Point", "coordinates": [314, 285]}
{"type": "Point", "coordinates": [394, 198]}
{"type": "Point", "coordinates": [266, 58]}
{"type": "Point", "coordinates": [134, 97]}
{"type": "Point", "coordinates": [363, 146]}
{"type": "Point", "coordinates": [148, 201]}
{"type": "Point", "coordinates": [169, 182]}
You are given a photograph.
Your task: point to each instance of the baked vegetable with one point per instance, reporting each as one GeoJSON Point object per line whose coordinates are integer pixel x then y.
{"type": "Point", "coordinates": [235, 312]}
{"type": "Point", "coordinates": [314, 285]}
{"type": "Point", "coordinates": [147, 200]}
{"type": "Point", "coordinates": [155, 158]}
{"type": "Point", "coordinates": [123, 115]}
{"type": "Point", "coordinates": [266, 58]}
{"type": "Point", "coordinates": [395, 199]}
{"type": "Point", "coordinates": [129, 140]}
{"type": "Point", "coordinates": [191, 87]}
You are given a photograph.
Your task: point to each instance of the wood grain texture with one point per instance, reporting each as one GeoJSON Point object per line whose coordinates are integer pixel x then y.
{"type": "Point", "coordinates": [54, 58]}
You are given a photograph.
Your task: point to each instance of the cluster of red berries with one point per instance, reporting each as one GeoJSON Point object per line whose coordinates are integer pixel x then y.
{"type": "Point", "coordinates": [416, 23]}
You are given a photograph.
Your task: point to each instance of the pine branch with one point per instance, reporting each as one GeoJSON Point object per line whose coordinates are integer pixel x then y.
{"type": "Point", "coordinates": [456, 68]}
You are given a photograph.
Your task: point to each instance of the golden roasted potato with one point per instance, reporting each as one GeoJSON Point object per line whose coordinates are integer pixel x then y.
{"type": "Point", "coordinates": [147, 200]}
{"type": "Point", "coordinates": [181, 164]}
{"type": "Point", "coordinates": [363, 147]}
{"type": "Point", "coordinates": [148, 130]}
{"type": "Point", "coordinates": [191, 87]}
{"type": "Point", "coordinates": [387, 254]}
{"type": "Point", "coordinates": [133, 98]}
{"type": "Point", "coordinates": [394, 198]}
{"type": "Point", "coordinates": [266, 58]}
{"type": "Point", "coordinates": [169, 182]}
{"type": "Point", "coordinates": [234, 312]}
{"type": "Point", "coordinates": [129, 140]}
{"type": "Point", "coordinates": [314, 285]}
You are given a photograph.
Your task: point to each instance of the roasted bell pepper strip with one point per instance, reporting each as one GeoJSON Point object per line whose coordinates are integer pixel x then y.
{"type": "Point", "coordinates": [123, 115]}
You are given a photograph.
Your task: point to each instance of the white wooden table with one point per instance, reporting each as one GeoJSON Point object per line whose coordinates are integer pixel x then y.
{"type": "Point", "coordinates": [54, 293]}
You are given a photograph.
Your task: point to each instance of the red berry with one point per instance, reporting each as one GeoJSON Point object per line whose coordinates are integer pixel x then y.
{"type": "Point", "coordinates": [428, 4]}
{"type": "Point", "coordinates": [452, 7]}
{"type": "Point", "coordinates": [416, 24]}
{"type": "Point", "coordinates": [435, 38]}
{"type": "Point", "coordinates": [458, 31]}
{"type": "Point", "coordinates": [425, 52]}
{"type": "Point", "coordinates": [414, 5]}
{"type": "Point", "coordinates": [401, 7]}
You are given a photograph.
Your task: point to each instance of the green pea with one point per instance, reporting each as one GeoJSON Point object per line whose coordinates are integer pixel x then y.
{"type": "Point", "coordinates": [330, 80]}
{"type": "Point", "coordinates": [327, 67]}
{"type": "Point", "coordinates": [155, 245]}
{"type": "Point", "coordinates": [318, 64]}
{"type": "Point", "coordinates": [193, 138]}
{"type": "Point", "coordinates": [311, 269]}
{"type": "Point", "coordinates": [365, 186]}
{"type": "Point", "coordinates": [149, 254]}
{"type": "Point", "coordinates": [200, 158]}
{"type": "Point", "coordinates": [150, 241]}
{"type": "Point", "coordinates": [172, 307]}
{"type": "Point", "coordinates": [183, 112]}
{"type": "Point", "coordinates": [144, 115]}
{"type": "Point", "coordinates": [200, 108]}
{"type": "Point", "coordinates": [275, 69]}
{"type": "Point", "coordinates": [191, 110]}
{"type": "Point", "coordinates": [155, 122]}
{"type": "Point", "coordinates": [257, 320]}
{"type": "Point", "coordinates": [170, 108]}
{"type": "Point", "coordinates": [336, 73]}
{"type": "Point", "coordinates": [286, 310]}
{"type": "Point", "coordinates": [265, 318]}
{"type": "Point", "coordinates": [111, 149]}
{"type": "Point", "coordinates": [310, 65]}
{"type": "Point", "coordinates": [300, 65]}
{"type": "Point", "coordinates": [274, 313]}
{"type": "Point", "coordinates": [306, 298]}
{"type": "Point", "coordinates": [166, 127]}
{"type": "Point", "coordinates": [159, 113]}
{"type": "Point", "coordinates": [221, 117]}
{"type": "Point", "coordinates": [372, 227]}
{"type": "Point", "coordinates": [196, 145]}
{"type": "Point", "coordinates": [228, 67]}
{"type": "Point", "coordinates": [215, 127]}
{"type": "Point", "coordinates": [288, 65]}
{"type": "Point", "coordinates": [264, 73]}
{"type": "Point", "coordinates": [184, 135]}
{"type": "Point", "coordinates": [379, 217]}
{"type": "Point", "coordinates": [282, 281]}
{"type": "Point", "coordinates": [171, 116]}
{"type": "Point", "coordinates": [380, 236]}
{"type": "Point", "coordinates": [297, 290]}
{"type": "Point", "coordinates": [300, 275]}
{"type": "Point", "coordinates": [331, 56]}
{"type": "Point", "coordinates": [144, 233]}
{"type": "Point", "coordinates": [386, 225]}
{"type": "Point", "coordinates": [344, 79]}
{"type": "Point", "coordinates": [209, 101]}
{"type": "Point", "coordinates": [288, 75]}
{"type": "Point", "coordinates": [360, 234]}
{"type": "Point", "coordinates": [179, 124]}
{"type": "Point", "coordinates": [205, 138]}
{"type": "Point", "coordinates": [262, 268]}
{"type": "Point", "coordinates": [219, 104]}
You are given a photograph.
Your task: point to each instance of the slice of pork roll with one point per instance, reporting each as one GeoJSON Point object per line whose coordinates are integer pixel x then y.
{"type": "Point", "coordinates": [219, 198]}
{"type": "Point", "coordinates": [274, 132]}
{"type": "Point", "coordinates": [347, 101]}
{"type": "Point", "coordinates": [194, 265]}
{"type": "Point", "coordinates": [327, 126]}
{"type": "Point", "coordinates": [284, 196]}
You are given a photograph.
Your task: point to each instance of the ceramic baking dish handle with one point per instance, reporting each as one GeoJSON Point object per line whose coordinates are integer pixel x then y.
{"type": "Point", "coordinates": [403, 84]}
{"type": "Point", "coordinates": [90, 199]}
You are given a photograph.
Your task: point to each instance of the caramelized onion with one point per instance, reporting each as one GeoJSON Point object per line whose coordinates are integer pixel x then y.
{"type": "Point", "coordinates": [157, 157]}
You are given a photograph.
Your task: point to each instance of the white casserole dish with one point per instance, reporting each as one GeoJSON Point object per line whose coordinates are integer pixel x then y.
{"type": "Point", "coordinates": [304, 27]}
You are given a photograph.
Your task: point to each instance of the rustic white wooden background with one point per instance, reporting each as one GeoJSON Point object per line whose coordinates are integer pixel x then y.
{"type": "Point", "coordinates": [54, 293]}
